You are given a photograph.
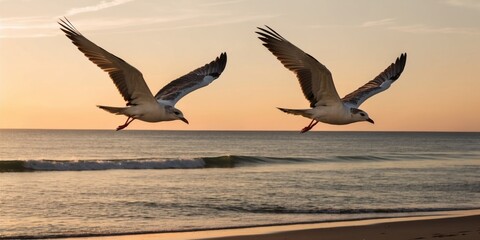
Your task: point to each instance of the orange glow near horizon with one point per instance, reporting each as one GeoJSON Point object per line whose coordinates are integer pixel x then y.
{"type": "Point", "coordinates": [45, 82]}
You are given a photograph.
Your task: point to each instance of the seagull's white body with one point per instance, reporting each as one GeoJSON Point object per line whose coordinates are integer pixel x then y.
{"type": "Point", "coordinates": [148, 112]}
{"type": "Point", "coordinates": [336, 114]}
{"type": "Point", "coordinates": [318, 87]}
{"type": "Point", "coordinates": [141, 104]}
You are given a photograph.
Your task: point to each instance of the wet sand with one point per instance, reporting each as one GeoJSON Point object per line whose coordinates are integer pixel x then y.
{"type": "Point", "coordinates": [463, 225]}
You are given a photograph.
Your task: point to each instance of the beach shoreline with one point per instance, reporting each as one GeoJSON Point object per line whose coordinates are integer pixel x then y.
{"type": "Point", "coordinates": [464, 224]}
{"type": "Point", "coordinates": [101, 184]}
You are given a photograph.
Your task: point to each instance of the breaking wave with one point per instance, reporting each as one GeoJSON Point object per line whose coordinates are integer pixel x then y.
{"type": "Point", "coordinates": [228, 161]}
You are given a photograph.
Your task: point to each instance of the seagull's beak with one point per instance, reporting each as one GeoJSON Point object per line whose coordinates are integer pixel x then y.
{"type": "Point", "coordinates": [184, 120]}
{"type": "Point", "coordinates": [370, 121]}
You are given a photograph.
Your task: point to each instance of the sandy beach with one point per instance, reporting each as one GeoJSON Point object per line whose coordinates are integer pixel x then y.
{"type": "Point", "coordinates": [446, 225]}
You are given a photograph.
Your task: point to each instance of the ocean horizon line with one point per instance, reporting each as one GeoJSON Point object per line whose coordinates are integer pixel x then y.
{"type": "Point", "coordinates": [235, 130]}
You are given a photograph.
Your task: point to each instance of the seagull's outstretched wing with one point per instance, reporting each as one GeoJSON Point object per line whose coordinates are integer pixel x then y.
{"type": "Point", "coordinates": [129, 80]}
{"type": "Point", "coordinates": [379, 84]}
{"type": "Point", "coordinates": [315, 79]}
{"type": "Point", "coordinates": [200, 77]}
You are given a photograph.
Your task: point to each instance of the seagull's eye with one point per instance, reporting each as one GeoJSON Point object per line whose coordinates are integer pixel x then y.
{"type": "Point", "coordinates": [362, 114]}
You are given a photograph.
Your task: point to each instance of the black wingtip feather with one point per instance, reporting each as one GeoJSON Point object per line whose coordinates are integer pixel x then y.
{"type": "Point", "coordinates": [267, 35]}
{"type": "Point", "coordinates": [222, 61]}
{"type": "Point", "coordinates": [400, 63]}
{"type": "Point", "coordinates": [68, 28]}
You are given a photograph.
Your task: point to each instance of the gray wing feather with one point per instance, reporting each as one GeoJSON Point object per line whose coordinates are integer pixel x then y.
{"type": "Point", "coordinates": [200, 77]}
{"type": "Point", "coordinates": [379, 84]}
{"type": "Point", "coordinates": [128, 80]}
{"type": "Point", "coordinates": [314, 78]}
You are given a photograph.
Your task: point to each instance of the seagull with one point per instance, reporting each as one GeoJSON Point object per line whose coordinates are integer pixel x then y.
{"type": "Point", "coordinates": [141, 104]}
{"type": "Point", "coordinates": [318, 87]}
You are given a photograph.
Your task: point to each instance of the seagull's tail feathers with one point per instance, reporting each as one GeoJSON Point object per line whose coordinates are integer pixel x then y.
{"type": "Point", "coordinates": [114, 110]}
{"type": "Point", "coordinates": [304, 112]}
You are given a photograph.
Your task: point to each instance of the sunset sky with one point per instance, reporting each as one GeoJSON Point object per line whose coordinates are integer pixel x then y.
{"type": "Point", "coordinates": [45, 82]}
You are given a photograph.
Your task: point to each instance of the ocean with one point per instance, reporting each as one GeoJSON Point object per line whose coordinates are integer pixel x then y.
{"type": "Point", "coordinates": [65, 183]}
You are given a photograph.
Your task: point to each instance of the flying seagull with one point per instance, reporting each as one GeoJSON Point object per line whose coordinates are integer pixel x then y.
{"type": "Point", "coordinates": [318, 87]}
{"type": "Point", "coordinates": [141, 104]}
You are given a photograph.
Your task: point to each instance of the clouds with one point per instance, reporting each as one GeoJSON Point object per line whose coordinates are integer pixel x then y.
{"type": "Point", "coordinates": [424, 29]}
{"type": "Point", "coordinates": [97, 7]}
{"type": "Point", "coordinates": [381, 22]}
{"type": "Point", "coordinates": [114, 16]}
{"type": "Point", "coordinates": [474, 4]}
{"type": "Point", "coordinates": [418, 28]}
{"type": "Point", "coordinates": [46, 26]}
{"type": "Point", "coordinates": [222, 2]}
{"type": "Point", "coordinates": [392, 24]}
{"type": "Point", "coordinates": [154, 17]}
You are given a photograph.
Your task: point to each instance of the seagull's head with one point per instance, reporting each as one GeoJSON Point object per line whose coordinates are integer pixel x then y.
{"type": "Point", "coordinates": [360, 115]}
{"type": "Point", "coordinates": [176, 114]}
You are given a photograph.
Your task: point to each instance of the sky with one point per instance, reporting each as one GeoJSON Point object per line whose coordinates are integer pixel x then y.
{"type": "Point", "coordinates": [46, 83]}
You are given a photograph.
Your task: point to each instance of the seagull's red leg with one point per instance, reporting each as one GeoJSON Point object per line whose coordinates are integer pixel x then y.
{"type": "Point", "coordinates": [129, 120]}
{"type": "Point", "coordinates": [314, 124]}
{"type": "Point", "coordinates": [305, 129]}
{"type": "Point", "coordinates": [310, 126]}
